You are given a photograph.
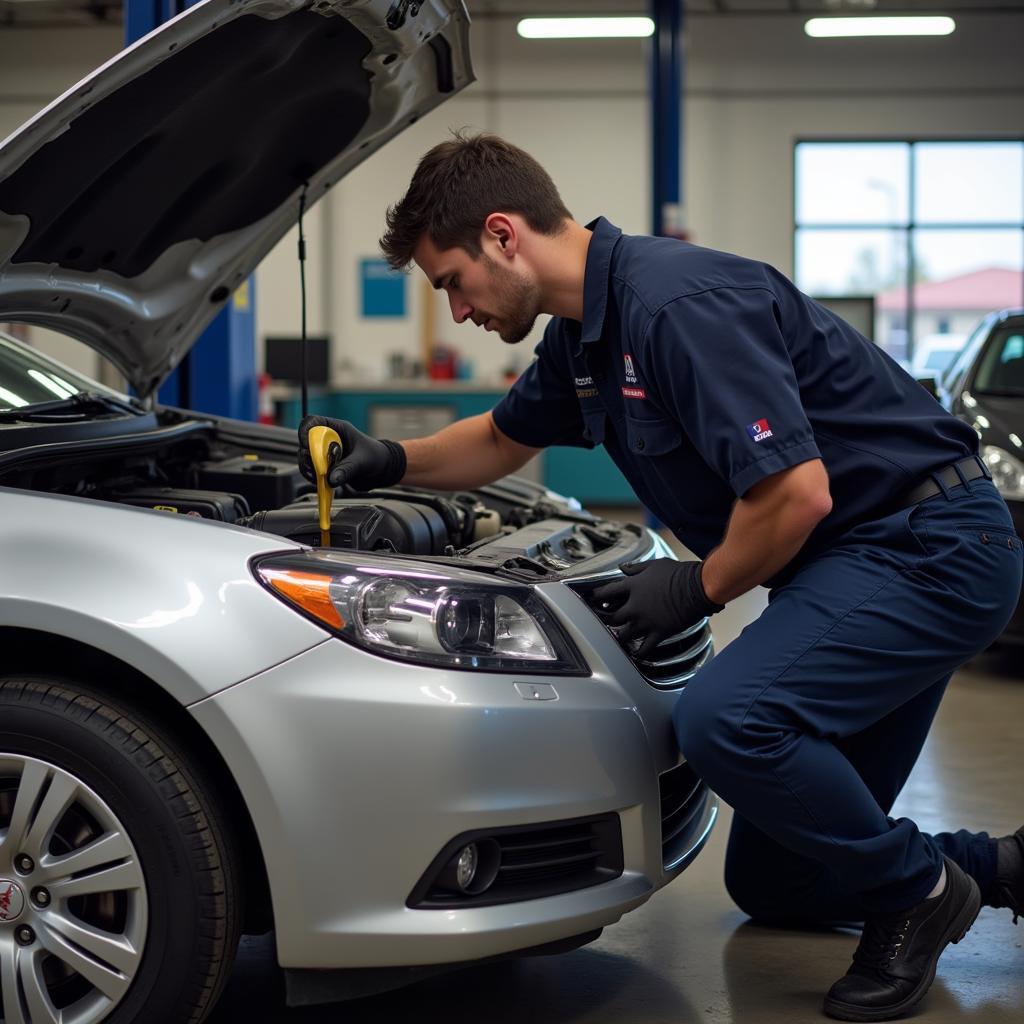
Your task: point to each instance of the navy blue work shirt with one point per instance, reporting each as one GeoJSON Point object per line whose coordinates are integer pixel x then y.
{"type": "Point", "coordinates": [702, 373]}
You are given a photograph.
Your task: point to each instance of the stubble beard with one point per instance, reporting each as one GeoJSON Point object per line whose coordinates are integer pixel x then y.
{"type": "Point", "coordinates": [517, 297]}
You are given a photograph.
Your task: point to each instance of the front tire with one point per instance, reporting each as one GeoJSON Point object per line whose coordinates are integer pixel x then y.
{"type": "Point", "coordinates": [118, 898]}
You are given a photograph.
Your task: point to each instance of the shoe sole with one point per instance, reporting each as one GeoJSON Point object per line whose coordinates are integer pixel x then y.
{"type": "Point", "coordinates": [958, 928]}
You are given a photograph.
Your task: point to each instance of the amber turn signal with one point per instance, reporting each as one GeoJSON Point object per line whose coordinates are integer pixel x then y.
{"type": "Point", "coordinates": [307, 590]}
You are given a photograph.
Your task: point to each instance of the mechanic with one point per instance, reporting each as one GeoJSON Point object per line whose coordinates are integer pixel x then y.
{"type": "Point", "coordinates": [784, 449]}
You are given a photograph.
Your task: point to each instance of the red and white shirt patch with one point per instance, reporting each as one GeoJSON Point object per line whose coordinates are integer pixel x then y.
{"type": "Point", "coordinates": [760, 431]}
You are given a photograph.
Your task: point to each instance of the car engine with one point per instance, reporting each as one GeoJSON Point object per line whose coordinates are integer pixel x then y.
{"type": "Point", "coordinates": [227, 472]}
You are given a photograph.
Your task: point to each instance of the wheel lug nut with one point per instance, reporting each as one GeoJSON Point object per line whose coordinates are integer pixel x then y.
{"type": "Point", "coordinates": [25, 935]}
{"type": "Point", "coordinates": [40, 897]}
{"type": "Point", "coordinates": [24, 863]}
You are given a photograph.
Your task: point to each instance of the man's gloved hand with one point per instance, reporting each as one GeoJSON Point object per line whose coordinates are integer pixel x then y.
{"type": "Point", "coordinates": [363, 463]}
{"type": "Point", "coordinates": [656, 600]}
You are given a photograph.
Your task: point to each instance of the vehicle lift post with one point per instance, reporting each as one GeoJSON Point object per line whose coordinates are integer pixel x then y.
{"type": "Point", "coordinates": [666, 85]}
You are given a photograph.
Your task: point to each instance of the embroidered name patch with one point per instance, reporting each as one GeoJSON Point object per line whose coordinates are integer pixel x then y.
{"type": "Point", "coordinates": [760, 431]}
{"type": "Point", "coordinates": [586, 392]}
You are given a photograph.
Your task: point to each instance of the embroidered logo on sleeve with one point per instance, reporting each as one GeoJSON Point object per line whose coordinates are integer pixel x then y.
{"type": "Point", "coordinates": [760, 431]}
{"type": "Point", "coordinates": [632, 391]}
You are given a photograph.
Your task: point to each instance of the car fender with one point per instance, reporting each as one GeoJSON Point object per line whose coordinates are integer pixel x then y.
{"type": "Point", "coordinates": [171, 595]}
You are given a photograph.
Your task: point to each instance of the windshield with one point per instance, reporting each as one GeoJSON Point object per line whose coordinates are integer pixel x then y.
{"type": "Point", "coordinates": [967, 353]}
{"type": "Point", "coordinates": [1001, 369]}
{"type": "Point", "coordinates": [28, 377]}
{"type": "Point", "coordinates": [938, 359]}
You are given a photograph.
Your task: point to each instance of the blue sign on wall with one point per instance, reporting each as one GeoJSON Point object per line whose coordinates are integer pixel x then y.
{"type": "Point", "coordinates": [383, 289]}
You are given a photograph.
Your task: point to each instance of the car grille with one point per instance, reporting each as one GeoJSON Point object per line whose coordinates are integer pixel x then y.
{"type": "Point", "coordinates": [535, 861]}
{"type": "Point", "coordinates": [682, 798]}
{"type": "Point", "coordinates": [674, 661]}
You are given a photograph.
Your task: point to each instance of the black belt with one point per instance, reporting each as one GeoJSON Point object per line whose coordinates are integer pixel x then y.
{"type": "Point", "coordinates": [971, 468]}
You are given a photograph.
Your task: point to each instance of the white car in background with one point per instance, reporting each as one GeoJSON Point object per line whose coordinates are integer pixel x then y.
{"type": "Point", "coordinates": [416, 746]}
{"type": "Point", "coordinates": [933, 353]}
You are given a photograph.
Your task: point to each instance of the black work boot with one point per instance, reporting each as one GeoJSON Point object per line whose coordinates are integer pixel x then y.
{"type": "Point", "coordinates": [894, 964]}
{"type": "Point", "coordinates": [1009, 884]}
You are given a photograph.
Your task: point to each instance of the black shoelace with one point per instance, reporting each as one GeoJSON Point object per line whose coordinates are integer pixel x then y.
{"type": "Point", "coordinates": [881, 942]}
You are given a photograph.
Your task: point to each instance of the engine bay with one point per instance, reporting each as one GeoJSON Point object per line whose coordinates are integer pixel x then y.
{"type": "Point", "coordinates": [247, 476]}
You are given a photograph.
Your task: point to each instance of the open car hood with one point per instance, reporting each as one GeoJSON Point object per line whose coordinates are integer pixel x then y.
{"type": "Point", "coordinates": [135, 204]}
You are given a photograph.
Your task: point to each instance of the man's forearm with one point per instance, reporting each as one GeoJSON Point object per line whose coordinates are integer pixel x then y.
{"type": "Point", "coordinates": [766, 530]}
{"type": "Point", "coordinates": [468, 453]}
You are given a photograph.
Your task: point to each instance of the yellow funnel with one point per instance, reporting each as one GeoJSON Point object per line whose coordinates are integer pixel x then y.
{"type": "Point", "coordinates": [321, 442]}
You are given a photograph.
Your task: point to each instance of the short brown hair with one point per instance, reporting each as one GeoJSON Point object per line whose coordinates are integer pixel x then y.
{"type": "Point", "coordinates": [458, 184]}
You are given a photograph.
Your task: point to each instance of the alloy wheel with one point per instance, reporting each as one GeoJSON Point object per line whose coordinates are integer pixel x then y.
{"type": "Point", "coordinates": [73, 901]}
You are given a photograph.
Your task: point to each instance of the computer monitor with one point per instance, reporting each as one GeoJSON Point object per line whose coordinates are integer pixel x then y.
{"type": "Point", "coordinates": [283, 359]}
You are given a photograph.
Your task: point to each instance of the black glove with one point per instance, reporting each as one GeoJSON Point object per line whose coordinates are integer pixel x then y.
{"type": "Point", "coordinates": [656, 600]}
{"type": "Point", "coordinates": [363, 463]}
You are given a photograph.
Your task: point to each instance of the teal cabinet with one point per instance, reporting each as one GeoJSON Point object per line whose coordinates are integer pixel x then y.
{"type": "Point", "coordinates": [590, 476]}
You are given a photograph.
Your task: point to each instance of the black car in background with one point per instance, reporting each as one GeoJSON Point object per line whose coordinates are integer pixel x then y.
{"type": "Point", "coordinates": [984, 386]}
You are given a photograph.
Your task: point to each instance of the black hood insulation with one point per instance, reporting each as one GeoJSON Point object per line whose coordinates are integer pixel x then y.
{"type": "Point", "coordinates": [229, 127]}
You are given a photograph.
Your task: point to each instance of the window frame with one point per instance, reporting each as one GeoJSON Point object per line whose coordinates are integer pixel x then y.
{"type": "Point", "coordinates": [911, 225]}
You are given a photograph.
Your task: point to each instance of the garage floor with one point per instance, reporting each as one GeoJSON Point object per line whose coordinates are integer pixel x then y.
{"type": "Point", "coordinates": [689, 955]}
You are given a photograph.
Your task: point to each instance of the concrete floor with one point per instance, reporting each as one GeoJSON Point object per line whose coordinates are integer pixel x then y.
{"type": "Point", "coordinates": [690, 955]}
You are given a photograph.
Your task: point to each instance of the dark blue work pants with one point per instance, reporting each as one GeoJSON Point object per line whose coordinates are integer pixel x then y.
{"type": "Point", "coordinates": [809, 723]}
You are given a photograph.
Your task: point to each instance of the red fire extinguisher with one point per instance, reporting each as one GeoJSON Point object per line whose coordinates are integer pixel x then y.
{"type": "Point", "coordinates": [266, 403]}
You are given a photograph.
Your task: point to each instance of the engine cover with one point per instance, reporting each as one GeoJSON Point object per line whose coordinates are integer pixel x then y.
{"type": "Point", "coordinates": [358, 525]}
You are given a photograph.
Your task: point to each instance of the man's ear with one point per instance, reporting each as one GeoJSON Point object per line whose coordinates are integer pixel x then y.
{"type": "Point", "coordinates": [502, 229]}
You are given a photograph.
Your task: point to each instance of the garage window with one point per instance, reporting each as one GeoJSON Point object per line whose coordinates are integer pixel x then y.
{"type": "Point", "coordinates": [913, 241]}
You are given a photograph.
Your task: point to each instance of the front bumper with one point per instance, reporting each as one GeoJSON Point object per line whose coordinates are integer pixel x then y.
{"type": "Point", "coordinates": [357, 771]}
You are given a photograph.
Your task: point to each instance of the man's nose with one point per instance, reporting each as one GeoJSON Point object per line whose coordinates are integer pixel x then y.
{"type": "Point", "coordinates": [461, 311]}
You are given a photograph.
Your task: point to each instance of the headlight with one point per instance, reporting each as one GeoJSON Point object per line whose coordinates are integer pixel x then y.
{"type": "Point", "coordinates": [427, 619]}
{"type": "Point", "coordinates": [1006, 469]}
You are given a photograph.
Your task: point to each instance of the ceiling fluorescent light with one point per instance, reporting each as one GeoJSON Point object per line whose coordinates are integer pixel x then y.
{"type": "Point", "coordinates": [833, 28]}
{"type": "Point", "coordinates": [585, 28]}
